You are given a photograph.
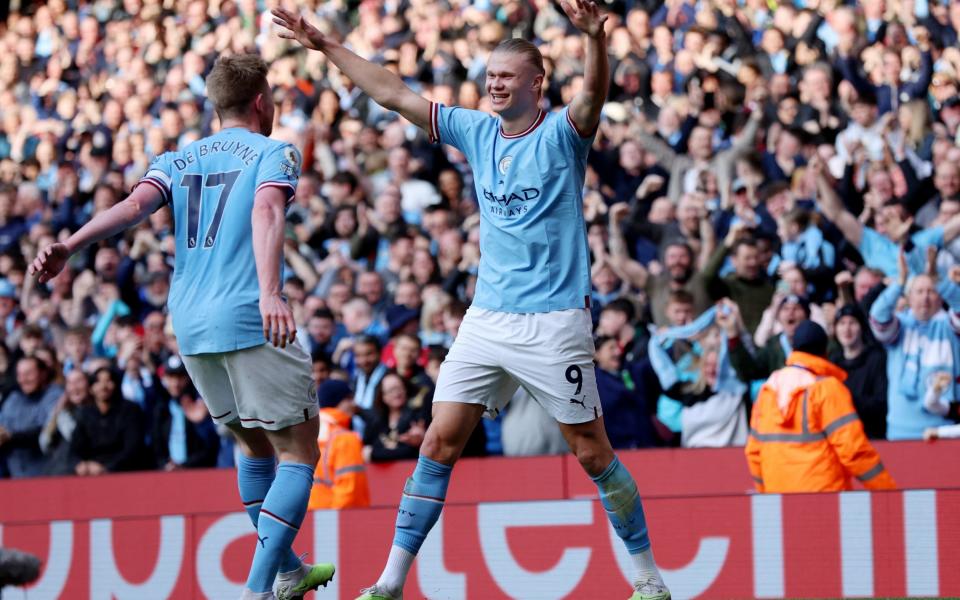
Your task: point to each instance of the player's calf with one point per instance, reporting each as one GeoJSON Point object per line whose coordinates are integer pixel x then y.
{"type": "Point", "coordinates": [420, 507]}
{"type": "Point", "coordinates": [621, 500]}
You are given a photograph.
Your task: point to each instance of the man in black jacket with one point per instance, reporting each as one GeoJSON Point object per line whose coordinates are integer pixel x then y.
{"type": "Point", "coordinates": [865, 362]}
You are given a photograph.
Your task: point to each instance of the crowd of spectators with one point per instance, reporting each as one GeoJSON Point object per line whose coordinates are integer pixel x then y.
{"type": "Point", "coordinates": [756, 165]}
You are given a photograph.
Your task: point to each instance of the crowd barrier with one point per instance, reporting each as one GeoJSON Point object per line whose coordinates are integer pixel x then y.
{"type": "Point", "coordinates": [513, 528]}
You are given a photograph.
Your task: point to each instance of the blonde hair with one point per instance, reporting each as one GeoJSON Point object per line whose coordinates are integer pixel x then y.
{"type": "Point", "coordinates": [524, 48]}
{"type": "Point", "coordinates": [234, 83]}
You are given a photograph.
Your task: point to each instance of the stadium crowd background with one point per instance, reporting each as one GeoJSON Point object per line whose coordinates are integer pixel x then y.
{"type": "Point", "coordinates": [772, 159]}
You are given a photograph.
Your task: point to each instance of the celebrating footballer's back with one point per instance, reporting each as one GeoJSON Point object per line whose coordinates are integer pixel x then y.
{"type": "Point", "coordinates": [229, 193]}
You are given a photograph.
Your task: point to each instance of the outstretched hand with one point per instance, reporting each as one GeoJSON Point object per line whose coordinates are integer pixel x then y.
{"type": "Point", "coordinates": [585, 16]}
{"type": "Point", "coordinates": [295, 27]}
{"type": "Point", "coordinates": [49, 262]}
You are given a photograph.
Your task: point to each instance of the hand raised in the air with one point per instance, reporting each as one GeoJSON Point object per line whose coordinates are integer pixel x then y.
{"type": "Point", "coordinates": [49, 262]}
{"type": "Point", "coordinates": [585, 16]}
{"type": "Point", "coordinates": [295, 27]}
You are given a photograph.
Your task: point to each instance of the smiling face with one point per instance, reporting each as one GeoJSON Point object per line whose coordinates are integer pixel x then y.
{"type": "Point", "coordinates": [513, 83]}
{"type": "Point", "coordinates": [394, 392]}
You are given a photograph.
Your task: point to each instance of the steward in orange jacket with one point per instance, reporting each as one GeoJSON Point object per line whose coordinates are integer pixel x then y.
{"type": "Point", "coordinates": [340, 480]}
{"type": "Point", "coordinates": [805, 435]}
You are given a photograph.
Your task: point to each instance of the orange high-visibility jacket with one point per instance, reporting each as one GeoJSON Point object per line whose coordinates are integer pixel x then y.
{"type": "Point", "coordinates": [805, 435]}
{"type": "Point", "coordinates": [340, 480]}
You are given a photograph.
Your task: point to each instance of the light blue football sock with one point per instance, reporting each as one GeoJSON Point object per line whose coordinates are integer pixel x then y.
{"type": "Point", "coordinates": [421, 503]}
{"type": "Point", "coordinates": [254, 478]}
{"type": "Point", "coordinates": [620, 498]}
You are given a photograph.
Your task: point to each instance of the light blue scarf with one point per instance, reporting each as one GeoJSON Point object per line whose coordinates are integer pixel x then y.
{"type": "Point", "coordinates": [177, 441]}
{"type": "Point", "coordinates": [928, 349]}
{"type": "Point", "coordinates": [810, 250]}
{"type": "Point", "coordinates": [670, 373]}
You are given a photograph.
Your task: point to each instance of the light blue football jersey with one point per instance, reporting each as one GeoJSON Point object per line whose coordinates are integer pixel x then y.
{"type": "Point", "coordinates": [210, 185]}
{"type": "Point", "coordinates": [533, 239]}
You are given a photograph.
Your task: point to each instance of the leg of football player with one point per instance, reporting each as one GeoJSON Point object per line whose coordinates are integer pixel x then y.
{"type": "Point", "coordinates": [425, 492]}
{"type": "Point", "coordinates": [256, 470]}
{"type": "Point", "coordinates": [620, 498]}
{"type": "Point", "coordinates": [285, 504]}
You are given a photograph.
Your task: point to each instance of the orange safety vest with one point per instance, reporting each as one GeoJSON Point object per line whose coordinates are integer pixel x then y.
{"type": "Point", "coordinates": [805, 435]}
{"type": "Point", "coordinates": [340, 480]}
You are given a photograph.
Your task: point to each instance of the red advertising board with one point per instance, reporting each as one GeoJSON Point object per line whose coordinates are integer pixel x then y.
{"type": "Point", "coordinates": [512, 528]}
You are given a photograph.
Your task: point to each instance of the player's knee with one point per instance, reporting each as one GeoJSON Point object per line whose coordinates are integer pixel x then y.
{"type": "Point", "coordinates": [435, 447]}
{"type": "Point", "coordinates": [593, 457]}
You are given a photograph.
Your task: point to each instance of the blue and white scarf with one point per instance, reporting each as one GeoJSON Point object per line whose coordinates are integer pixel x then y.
{"type": "Point", "coordinates": [809, 250]}
{"type": "Point", "coordinates": [928, 349]}
{"type": "Point", "coordinates": [670, 373]}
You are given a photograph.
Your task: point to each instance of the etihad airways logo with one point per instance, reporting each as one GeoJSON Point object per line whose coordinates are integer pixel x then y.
{"type": "Point", "coordinates": [512, 204]}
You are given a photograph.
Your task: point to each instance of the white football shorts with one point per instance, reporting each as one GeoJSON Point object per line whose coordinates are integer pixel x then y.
{"type": "Point", "coordinates": [549, 354]}
{"type": "Point", "coordinates": [263, 386]}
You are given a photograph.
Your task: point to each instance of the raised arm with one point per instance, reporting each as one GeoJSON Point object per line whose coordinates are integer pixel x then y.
{"type": "Point", "coordinates": [385, 87]}
{"type": "Point", "coordinates": [139, 204]}
{"type": "Point", "coordinates": [635, 272]}
{"type": "Point", "coordinates": [585, 107]}
{"type": "Point", "coordinates": [832, 207]}
{"type": "Point", "coordinates": [883, 317]}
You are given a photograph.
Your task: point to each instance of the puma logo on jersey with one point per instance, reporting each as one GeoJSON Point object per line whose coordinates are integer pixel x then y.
{"type": "Point", "coordinates": [582, 403]}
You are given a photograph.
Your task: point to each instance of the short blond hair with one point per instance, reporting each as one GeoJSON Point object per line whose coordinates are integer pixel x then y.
{"type": "Point", "coordinates": [234, 83]}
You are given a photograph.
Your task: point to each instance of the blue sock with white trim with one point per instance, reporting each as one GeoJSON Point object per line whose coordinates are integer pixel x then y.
{"type": "Point", "coordinates": [279, 522]}
{"type": "Point", "coordinates": [621, 500]}
{"type": "Point", "coordinates": [421, 503]}
{"type": "Point", "coordinates": [254, 478]}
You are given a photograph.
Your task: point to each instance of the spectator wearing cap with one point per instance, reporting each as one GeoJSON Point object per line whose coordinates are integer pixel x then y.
{"type": "Point", "coordinates": [340, 480]}
{"type": "Point", "coordinates": [792, 283]}
{"type": "Point", "coordinates": [921, 343]}
{"type": "Point", "coordinates": [752, 363]}
{"type": "Point", "coordinates": [23, 415]}
{"type": "Point", "coordinates": [805, 435]}
{"type": "Point", "coordinates": [865, 363]}
{"type": "Point", "coordinates": [110, 434]}
{"type": "Point", "coordinates": [184, 435]}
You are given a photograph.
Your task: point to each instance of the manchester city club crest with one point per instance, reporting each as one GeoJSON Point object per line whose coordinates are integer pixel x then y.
{"type": "Point", "coordinates": [504, 164]}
